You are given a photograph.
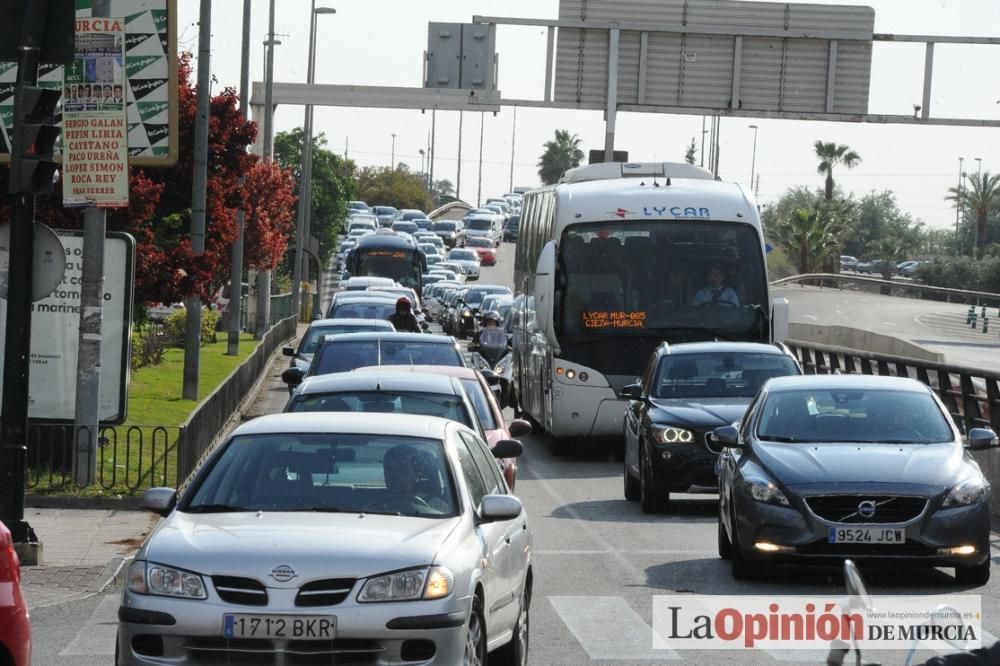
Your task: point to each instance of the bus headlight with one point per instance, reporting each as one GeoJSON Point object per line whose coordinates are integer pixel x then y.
{"type": "Point", "coordinates": [672, 435]}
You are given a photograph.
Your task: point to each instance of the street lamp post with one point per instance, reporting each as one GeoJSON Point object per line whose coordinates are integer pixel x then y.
{"type": "Point", "coordinates": [958, 207]}
{"type": "Point", "coordinates": [299, 271]}
{"type": "Point", "coordinates": [423, 154]}
{"type": "Point", "coordinates": [979, 163]}
{"type": "Point", "coordinates": [392, 158]}
{"type": "Point", "coordinates": [753, 159]}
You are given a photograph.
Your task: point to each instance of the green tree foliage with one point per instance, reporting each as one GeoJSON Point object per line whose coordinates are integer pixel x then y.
{"type": "Point", "coordinates": [561, 154]}
{"type": "Point", "coordinates": [831, 155]}
{"type": "Point", "coordinates": [882, 231]}
{"type": "Point", "coordinates": [444, 191]}
{"type": "Point", "coordinates": [691, 153]}
{"type": "Point", "coordinates": [813, 233]}
{"type": "Point", "coordinates": [397, 187]}
{"type": "Point", "coordinates": [962, 273]}
{"type": "Point", "coordinates": [981, 201]}
{"type": "Point", "coordinates": [333, 185]}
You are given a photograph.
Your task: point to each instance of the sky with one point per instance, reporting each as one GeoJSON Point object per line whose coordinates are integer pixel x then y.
{"type": "Point", "coordinates": [381, 43]}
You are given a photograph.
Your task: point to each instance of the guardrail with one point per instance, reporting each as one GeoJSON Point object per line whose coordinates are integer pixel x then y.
{"type": "Point", "coordinates": [971, 395]}
{"type": "Point", "coordinates": [451, 207]}
{"type": "Point", "coordinates": [943, 293]}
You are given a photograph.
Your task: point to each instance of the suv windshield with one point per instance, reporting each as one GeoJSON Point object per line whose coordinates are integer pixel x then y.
{"type": "Point", "coordinates": [479, 224]}
{"type": "Point", "coordinates": [328, 472]}
{"type": "Point", "coordinates": [718, 374]}
{"type": "Point", "coordinates": [851, 415]}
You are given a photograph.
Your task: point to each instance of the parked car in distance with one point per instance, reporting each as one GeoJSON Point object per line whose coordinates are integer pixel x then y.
{"type": "Point", "coordinates": [482, 394]}
{"type": "Point", "coordinates": [690, 390]}
{"type": "Point", "coordinates": [15, 625]}
{"type": "Point", "coordinates": [824, 468]}
{"type": "Point", "coordinates": [389, 540]}
{"type": "Point", "coordinates": [848, 263]}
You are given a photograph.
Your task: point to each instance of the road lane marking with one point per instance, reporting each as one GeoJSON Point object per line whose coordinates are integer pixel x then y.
{"type": "Point", "coordinates": [608, 628]}
{"type": "Point", "coordinates": [97, 635]}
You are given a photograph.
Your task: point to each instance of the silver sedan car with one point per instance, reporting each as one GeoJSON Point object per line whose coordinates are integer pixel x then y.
{"type": "Point", "coordinates": [319, 538]}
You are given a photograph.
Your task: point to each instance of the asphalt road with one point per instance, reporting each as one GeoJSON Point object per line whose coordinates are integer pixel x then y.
{"type": "Point", "coordinates": [599, 563]}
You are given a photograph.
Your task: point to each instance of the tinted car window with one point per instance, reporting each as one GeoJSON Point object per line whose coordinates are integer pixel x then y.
{"type": "Point", "coordinates": [849, 415]}
{"type": "Point", "coordinates": [470, 470]}
{"type": "Point", "coordinates": [480, 242]}
{"type": "Point", "coordinates": [463, 255]}
{"type": "Point", "coordinates": [480, 403]}
{"type": "Point", "coordinates": [348, 355]}
{"type": "Point", "coordinates": [487, 464]}
{"type": "Point", "coordinates": [314, 336]}
{"type": "Point", "coordinates": [363, 311]}
{"type": "Point", "coordinates": [385, 402]}
{"type": "Point", "coordinates": [479, 224]}
{"type": "Point", "coordinates": [316, 472]}
{"type": "Point", "coordinates": [718, 374]}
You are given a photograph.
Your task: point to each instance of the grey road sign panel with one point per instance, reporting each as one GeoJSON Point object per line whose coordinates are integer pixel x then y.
{"type": "Point", "coordinates": [444, 55]}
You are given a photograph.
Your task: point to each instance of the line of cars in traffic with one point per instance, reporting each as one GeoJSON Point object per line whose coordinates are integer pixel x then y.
{"type": "Point", "coordinates": [880, 266]}
{"type": "Point", "coordinates": [375, 518]}
{"type": "Point", "coordinates": [809, 469]}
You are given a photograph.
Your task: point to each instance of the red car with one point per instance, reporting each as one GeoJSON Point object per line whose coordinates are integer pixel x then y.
{"type": "Point", "coordinates": [486, 405]}
{"type": "Point", "coordinates": [485, 248]}
{"type": "Point", "coordinates": [15, 627]}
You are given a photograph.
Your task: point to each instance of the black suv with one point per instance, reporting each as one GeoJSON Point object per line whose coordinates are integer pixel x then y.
{"type": "Point", "coordinates": [686, 391]}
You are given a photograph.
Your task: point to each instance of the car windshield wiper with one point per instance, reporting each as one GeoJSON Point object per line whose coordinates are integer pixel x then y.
{"type": "Point", "coordinates": [319, 509]}
{"type": "Point", "coordinates": [781, 438]}
{"type": "Point", "coordinates": [215, 508]}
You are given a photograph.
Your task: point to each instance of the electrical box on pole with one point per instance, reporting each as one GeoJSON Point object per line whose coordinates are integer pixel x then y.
{"type": "Point", "coordinates": [35, 132]}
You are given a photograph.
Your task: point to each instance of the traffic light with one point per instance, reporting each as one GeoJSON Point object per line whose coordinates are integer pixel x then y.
{"type": "Point", "coordinates": [32, 166]}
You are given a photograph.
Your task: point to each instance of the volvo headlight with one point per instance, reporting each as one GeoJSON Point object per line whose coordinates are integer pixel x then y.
{"type": "Point", "coordinates": [672, 435]}
{"type": "Point", "coordinates": [967, 492]}
{"type": "Point", "coordinates": [150, 578]}
{"type": "Point", "coordinates": [410, 585]}
{"type": "Point", "coordinates": [765, 491]}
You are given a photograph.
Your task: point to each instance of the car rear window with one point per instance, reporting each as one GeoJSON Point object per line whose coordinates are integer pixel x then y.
{"type": "Point", "coordinates": [363, 311]}
{"type": "Point", "coordinates": [348, 355]}
{"type": "Point", "coordinates": [718, 374]}
{"type": "Point", "coordinates": [314, 336]}
{"type": "Point", "coordinates": [443, 405]}
{"type": "Point", "coordinates": [850, 415]}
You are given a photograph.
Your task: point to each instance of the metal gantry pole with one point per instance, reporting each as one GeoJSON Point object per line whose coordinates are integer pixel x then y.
{"type": "Point", "coordinates": [264, 277]}
{"type": "Point", "coordinates": [236, 271]}
{"type": "Point", "coordinates": [430, 184]}
{"type": "Point", "coordinates": [199, 191]}
{"type": "Point", "coordinates": [479, 190]}
{"type": "Point", "coordinates": [458, 180]}
{"type": "Point", "coordinates": [753, 159]}
{"type": "Point", "coordinates": [612, 105]}
{"type": "Point", "coordinates": [86, 414]}
{"type": "Point", "coordinates": [513, 138]}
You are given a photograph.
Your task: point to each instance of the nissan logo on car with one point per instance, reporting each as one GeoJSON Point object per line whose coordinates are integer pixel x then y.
{"type": "Point", "coordinates": [283, 573]}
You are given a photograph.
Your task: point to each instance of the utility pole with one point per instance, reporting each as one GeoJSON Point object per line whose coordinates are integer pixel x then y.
{"type": "Point", "coordinates": [479, 192]}
{"type": "Point", "coordinates": [236, 271]}
{"type": "Point", "coordinates": [86, 413]}
{"type": "Point", "coordinates": [458, 183]}
{"type": "Point", "coordinates": [199, 189]}
{"type": "Point", "coordinates": [513, 137]}
{"type": "Point", "coordinates": [392, 159]}
{"type": "Point", "coordinates": [264, 277]}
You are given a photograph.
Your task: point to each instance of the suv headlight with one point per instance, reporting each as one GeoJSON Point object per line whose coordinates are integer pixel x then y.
{"type": "Point", "coordinates": [410, 585]}
{"type": "Point", "coordinates": [151, 578]}
{"type": "Point", "coordinates": [765, 491]}
{"type": "Point", "coordinates": [672, 435]}
{"type": "Point", "coordinates": [967, 492]}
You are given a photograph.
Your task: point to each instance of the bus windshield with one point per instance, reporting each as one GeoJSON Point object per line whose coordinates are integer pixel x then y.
{"type": "Point", "coordinates": [400, 265]}
{"type": "Point", "coordinates": [656, 281]}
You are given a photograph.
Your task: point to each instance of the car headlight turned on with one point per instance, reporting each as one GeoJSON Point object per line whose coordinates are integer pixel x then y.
{"type": "Point", "coordinates": [151, 578]}
{"type": "Point", "coordinates": [765, 491]}
{"type": "Point", "coordinates": [967, 492]}
{"type": "Point", "coordinates": [409, 585]}
{"type": "Point", "coordinates": [672, 435]}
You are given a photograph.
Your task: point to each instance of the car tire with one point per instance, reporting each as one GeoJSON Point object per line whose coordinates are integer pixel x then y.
{"type": "Point", "coordinates": [977, 574]}
{"type": "Point", "coordinates": [515, 653]}
{"type": "Point", "coordinates": [742, 569]}
{"type": "Point", "coordinates": [650, 500]}
{"type": "Point", "coordinates": [725, 545]}
{"type": "Point", "coordinates": [475, 636]}
{"type": "Point", "coordinates": [631, 485]}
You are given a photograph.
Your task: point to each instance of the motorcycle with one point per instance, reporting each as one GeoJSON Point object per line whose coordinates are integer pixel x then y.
{"type": "Point", "coordinates": [493, 356]}
{"type": "Point", "coordinates": [859, 599]}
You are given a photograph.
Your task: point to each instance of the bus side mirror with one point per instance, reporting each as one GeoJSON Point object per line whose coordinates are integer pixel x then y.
{"type": "Point", "coordinates": [545, 282]}
{"type": "Point", "coordinates": [779, 319]}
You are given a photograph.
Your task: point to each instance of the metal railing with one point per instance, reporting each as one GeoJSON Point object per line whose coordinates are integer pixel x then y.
{"type": "Point", "coordinates": [908, 288]}
{"type": "Point", "coordinates": [971, 395]}
{"type": "Point", "coordinates": [136, 457]}
{"type": "Point", "coordinates": [281, 308]}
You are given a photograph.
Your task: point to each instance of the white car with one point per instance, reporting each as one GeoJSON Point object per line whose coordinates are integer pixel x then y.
{"type": "Point", "coordinates": [467, 259]}
{"type": "Point", "coordinates": [347, 538]}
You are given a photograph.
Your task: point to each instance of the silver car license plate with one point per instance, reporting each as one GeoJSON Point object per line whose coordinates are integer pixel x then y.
{"type": "Point", "coordinates": [292, 627]}
{"type": "Point", "coordinates": [866, 535]}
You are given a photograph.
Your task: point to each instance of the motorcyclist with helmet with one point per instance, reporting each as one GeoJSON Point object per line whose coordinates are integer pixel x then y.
{"type": "Point", "coordinates": [403, 318]}
{"type": "Point", "coordinates": [490, 321]}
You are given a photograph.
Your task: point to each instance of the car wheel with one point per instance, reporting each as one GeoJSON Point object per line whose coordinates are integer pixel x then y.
{"type": "Point", "coordinates": [725, 545]}
{"type": "Point", "coordinates": [631, 485]}
{"type": "Point", "coordinates": [741, 567]}
{"type": "Point", "coordinates": [977, 574]}
{"type": "Point", "coordinates": [650, 498]}
{"type": "Point", "coordinates": [515, 653]}
{"type": "Point", "coordinates": [475, 637]}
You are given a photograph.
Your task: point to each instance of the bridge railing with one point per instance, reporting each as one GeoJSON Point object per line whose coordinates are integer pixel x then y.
{"type": "Point", "coordinates": [903, 288]}
{"type": "Point", "coordinates": [971, 395]}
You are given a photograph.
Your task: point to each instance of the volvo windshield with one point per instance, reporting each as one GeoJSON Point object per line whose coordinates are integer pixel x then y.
{"type": "Point", "coordinates": [656, 281]}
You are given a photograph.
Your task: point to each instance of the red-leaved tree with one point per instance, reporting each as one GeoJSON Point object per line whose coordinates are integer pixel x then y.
{"type": "Point", "coordinates": [270, 207]}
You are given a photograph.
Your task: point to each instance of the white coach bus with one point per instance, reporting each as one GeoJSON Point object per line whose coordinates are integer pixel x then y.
{"type": "Point", "coordinates": [612, 261]}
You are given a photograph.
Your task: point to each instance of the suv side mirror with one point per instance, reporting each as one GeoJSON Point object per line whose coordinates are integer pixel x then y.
{"type": "Point", "coordinates": [288, 351]}
{"type": "Point", "coordinates": [981, 439]}
{"type": "Point", "coordinates": [631, 392]}
{"type": "Point", "coordinates": [727, 436]}
{"type": "Point", "coordinates": [293, 376]}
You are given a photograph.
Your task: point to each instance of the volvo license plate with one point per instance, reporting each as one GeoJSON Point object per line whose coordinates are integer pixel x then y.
{"type": "Point", "coordinates": [867, 535]}
{"type": "Point", "coordinates": [291, 627]}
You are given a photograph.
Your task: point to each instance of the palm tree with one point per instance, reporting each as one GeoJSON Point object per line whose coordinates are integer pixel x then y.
{"type": "Point", "coordinates": [561, 154]}
{"type": "Point", "coordinates": [831, 155]}
{"type": "Point", "coordinates": [811, 235]}
{"type": "Point", "coordinates": [982, 199]}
